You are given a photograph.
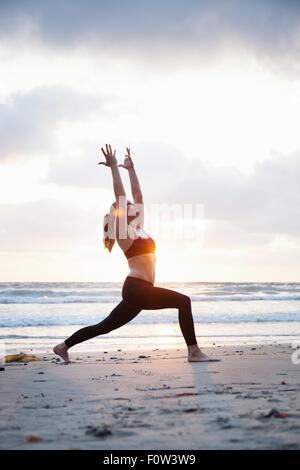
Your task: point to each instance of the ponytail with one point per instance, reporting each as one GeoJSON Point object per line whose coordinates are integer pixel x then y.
{"type": "Point", "coordinates": [109, 235]}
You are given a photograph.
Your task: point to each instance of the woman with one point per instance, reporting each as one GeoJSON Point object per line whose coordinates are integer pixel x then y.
{"type": "Point", "coordinates": [138, 290]}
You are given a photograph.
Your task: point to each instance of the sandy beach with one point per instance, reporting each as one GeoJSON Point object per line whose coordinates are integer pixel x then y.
{"type": "Point", "coordinates": [154, 399]}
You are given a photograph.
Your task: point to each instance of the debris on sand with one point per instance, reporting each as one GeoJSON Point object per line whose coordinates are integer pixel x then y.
{"type": "Point", "coordinates": [21, 357]}
{"type": "Point", "coordinates": [99, 431]}
{"type": "Point", "coordinates": [32, 439]}
{"type": "Point", "coordinates": [274, 413]}
{"type": "Point", "coordinates": [191, 410]}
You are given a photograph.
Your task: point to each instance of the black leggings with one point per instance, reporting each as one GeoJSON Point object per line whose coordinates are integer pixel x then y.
{"type": "Point", "coordinates": [138, 295]}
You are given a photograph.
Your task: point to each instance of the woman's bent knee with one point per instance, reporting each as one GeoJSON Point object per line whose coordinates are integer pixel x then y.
{"type": "Point", "coordinates": [185, 301]}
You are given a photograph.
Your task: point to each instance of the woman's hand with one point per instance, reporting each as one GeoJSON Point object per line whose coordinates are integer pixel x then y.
{"type": "Point", "coordinates": [128, 163]}
{"type": "Point", "coordinates": [110, 157]}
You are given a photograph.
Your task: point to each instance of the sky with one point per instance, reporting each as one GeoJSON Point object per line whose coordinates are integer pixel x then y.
{"type": "Point", "coordinates": [207, 96]}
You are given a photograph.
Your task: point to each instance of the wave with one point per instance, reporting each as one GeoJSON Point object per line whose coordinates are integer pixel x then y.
{"type": "Point", "coordinates": [115, 297]}
{"type": "Point", "coordinates": [57, 322]}
{"type": "Point", "coordinates": [59, 300]}
{"type": "Point", "coordinates": [243, 297]}
{"type": "Point", "coordinates": [110, 292]}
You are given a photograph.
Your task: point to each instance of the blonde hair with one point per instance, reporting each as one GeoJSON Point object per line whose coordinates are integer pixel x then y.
{"type": "Point", "coordinates": [109, 229]}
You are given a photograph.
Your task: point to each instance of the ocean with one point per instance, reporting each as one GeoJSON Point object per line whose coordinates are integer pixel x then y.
{"type": "Point", "coordinates": [36, 316]}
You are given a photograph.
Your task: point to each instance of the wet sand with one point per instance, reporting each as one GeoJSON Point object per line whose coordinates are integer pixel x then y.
{"type": "Point", "coordinates": [154, 399]}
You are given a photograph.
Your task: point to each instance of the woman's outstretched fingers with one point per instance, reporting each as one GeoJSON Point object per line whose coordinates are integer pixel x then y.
{"type": "Point", "coordinates": [128, 163]}
{"type": "Point", "coordinates": [103, 163]}
{"type": "Point", "coordinates": [103, 151]}
{"type": "Point", "coordinates": [110, 156]}
{"type": "Point", "coordinates": [111, 153]}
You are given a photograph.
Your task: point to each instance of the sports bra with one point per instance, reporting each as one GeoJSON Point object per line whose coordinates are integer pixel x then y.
{"type": "Point", "coordinates": [140, 246]}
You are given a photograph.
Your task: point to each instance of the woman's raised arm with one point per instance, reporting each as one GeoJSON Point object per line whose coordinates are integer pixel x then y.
{"type": "Point", "coordinates": [134, 182]}
{"type": "Point", "coordinates": [111, 162]}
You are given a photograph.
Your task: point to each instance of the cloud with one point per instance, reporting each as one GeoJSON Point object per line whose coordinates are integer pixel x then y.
{"type": "Point", "coordinates": [266, 201]}
{"type": "Point", "coordinates": [28, 122]}
{"type": "Point", "coordinates": [269, 25]}
{"type": "Point", "coordinates": [46, 225]}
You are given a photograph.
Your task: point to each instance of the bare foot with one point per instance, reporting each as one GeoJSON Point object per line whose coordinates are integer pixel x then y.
{"type": "Point", "coordinates": [196, 355]}
{"type": "Point", "coordinates": [62, 351]}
